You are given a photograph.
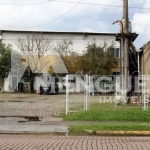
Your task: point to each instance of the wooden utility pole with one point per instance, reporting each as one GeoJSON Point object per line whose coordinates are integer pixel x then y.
{"type": "Point", "coordinates": [126, 45]}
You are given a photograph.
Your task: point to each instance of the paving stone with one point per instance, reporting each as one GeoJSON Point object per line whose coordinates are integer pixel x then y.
{"type": "Point", "coordinates": [46, 142]}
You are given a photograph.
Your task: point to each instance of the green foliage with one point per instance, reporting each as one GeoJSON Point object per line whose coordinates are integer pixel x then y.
{"type": "Point", "coordinates": [5, 60]}
{"type": "Point", "coordinates": [99, 59]}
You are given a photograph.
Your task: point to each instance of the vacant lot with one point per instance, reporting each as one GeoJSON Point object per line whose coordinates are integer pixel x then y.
{"type": "Point", "coordinates": [31, 104]}
{"type": "Point", "coordinates": [12, 104]}
{"type": "Point", "coordinates": [18, 104]}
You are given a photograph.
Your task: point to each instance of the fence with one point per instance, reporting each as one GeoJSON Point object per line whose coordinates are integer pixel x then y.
{"type": "Point", "coordinates": [84, 91]}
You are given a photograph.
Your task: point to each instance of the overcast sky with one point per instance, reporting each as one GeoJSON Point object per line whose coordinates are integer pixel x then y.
{"type": "Point", "coordinates": [62, 15]}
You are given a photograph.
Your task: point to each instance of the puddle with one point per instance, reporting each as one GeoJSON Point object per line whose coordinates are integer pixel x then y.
{"type": "Point", "coordinates": [28, 118]}
{"type": "Point", "coordinates": [21, 101]}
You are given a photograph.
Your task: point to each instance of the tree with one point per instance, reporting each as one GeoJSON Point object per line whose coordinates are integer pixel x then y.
{"type": "Point", "coordinates": [70, 58]}
{"type": "Point", "coordinates": [9, 62]}
{"type": "Point", "coordinates": [5, 60]}
{"type": "Point", "coordinates": [98, 60]}
{"type": "Point", "coordinates": [39, 56]}
{"type": "Point", "coordinates": [36, 50]}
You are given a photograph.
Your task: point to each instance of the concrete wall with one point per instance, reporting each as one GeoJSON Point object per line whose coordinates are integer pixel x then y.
{"type": "Point", "coordinates": [145, 63]}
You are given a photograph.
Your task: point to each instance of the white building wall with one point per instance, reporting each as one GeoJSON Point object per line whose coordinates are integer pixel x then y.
{"type": "Point", "coordinates": [80, 41]}
{"type": "Point", "coordinates": [7, 84]}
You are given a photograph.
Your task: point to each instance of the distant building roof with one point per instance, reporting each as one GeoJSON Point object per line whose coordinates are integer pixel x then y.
{"type": "Point", "coordinates": [57, 32]}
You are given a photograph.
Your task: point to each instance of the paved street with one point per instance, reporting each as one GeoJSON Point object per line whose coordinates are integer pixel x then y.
{"type": "Point", "coordinates": [47, 142]}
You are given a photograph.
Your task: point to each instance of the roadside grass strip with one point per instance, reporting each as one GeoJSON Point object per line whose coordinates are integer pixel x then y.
{"type": "Point", "coordinates": [110, 129]}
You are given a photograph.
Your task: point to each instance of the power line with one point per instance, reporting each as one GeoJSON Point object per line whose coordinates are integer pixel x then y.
{"type": "Point", "coordinates": [49, 21]}
{"type": "Point", "coordinates": [76, 3]}
{"type": "Point", "coordinates": [63, 1]}
{"type": "Point", "coordinates": [98, 4]}
{"type": "Point", "coordinates": [26, 3]}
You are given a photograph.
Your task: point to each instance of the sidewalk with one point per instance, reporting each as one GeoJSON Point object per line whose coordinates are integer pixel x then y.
{"type": "Point", "coordinates": [22, 125]}
{"type": "Point", "coordinates": [50, 125]}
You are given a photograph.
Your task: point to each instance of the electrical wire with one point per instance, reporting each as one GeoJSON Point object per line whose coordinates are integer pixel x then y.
{"type": "Point", "coordinates": [132, 60]}
{"type": "Point", "coordinates": [63, 1]}
{"type": "Point", "coordinates": [46, 22]}
{"type": "Point", "coordinates": [37, 3]}
{"type": "Point", "coordinates": [98, 4]}
{"type": "Point", "coordinates": [76, 3]}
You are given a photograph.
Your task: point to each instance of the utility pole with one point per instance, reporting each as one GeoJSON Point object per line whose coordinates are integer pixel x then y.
{"type": "Point", "coordinates": [126, 45]}
{"type": "Point", "coordinates": [126, 38]}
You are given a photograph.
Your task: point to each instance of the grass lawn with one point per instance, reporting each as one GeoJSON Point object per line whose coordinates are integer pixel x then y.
{"type": "Point", "coordinates": [106, 112]}
{"type": "Point", "coordinates": [120, 118]}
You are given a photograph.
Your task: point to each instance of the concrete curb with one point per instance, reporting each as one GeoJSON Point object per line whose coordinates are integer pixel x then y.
{"type": "Point", "coordinates": [123, 133]}
{"type": "Point", "coordinates": [34, 133]}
